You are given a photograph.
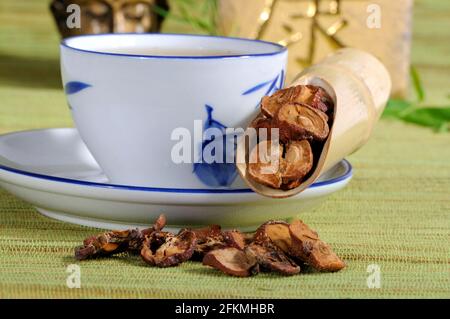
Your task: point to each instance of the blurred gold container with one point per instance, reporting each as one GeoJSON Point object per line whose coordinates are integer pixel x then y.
{"type": "Point", "coordinates": [312, 29]}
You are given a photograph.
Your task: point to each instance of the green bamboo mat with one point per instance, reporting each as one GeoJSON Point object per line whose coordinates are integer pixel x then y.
{"type": "Point", "coordinates": [395, 213]}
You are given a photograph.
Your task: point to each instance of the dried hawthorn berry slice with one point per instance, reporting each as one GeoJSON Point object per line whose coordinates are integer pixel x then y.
{"type": "Point", "coordinates": [298, 122]}
{"type": "Point", "coordinates": [202, 234]}
{"type": "Point", "coordinates": [292, 184]}
{"type": "Point", "coordinates": [234, 238]}
{"type": "Point", "coordinates": [158, 225]}
{"type": "Point", "coordinates": [271, 258]}
{"type": "Point", "coordinates": [316, 97]}
{"type": "Point", "coordinates": [232, 261]}
{"type": "Point", "coordinates": [264, 164]}
{"type": "Point", "coordinates": [116, 241]}
{"type": "Point", "coordinates": [167, 250]}
{"type": "Point", "coordinates": [298, 161]}
{"type": "Point", "coordinates": [275, 231]}
{"type": "Point", "coordinates": [208, 238]}
{"type": "Point", "coordinates": [271, 104]}
{"type": "Point", "coordinates": [264, 127]}
{"type": "Point", "coordinates": [261, 122]}
{"type": "Point", "coordinates": [109, 243]}
{"type": "Point", "coordinates": [275, 172]}
{"type": "Point", "coordinates": [307, 246]}
{"type": "Point", "coordinates": [313, 96]}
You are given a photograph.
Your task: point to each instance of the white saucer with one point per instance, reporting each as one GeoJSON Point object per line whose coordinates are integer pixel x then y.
{"type": "Point", "coordinates": [53, 170]}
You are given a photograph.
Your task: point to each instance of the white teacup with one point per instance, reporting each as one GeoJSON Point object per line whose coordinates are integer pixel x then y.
{"type": "Point", "coordinates": [129, 92]}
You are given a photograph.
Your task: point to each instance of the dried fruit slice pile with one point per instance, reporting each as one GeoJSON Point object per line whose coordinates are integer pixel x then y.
{"type": "Point", "coordinates": [276, 246]}
{"type": "Point", "coordinates": [303, 115]}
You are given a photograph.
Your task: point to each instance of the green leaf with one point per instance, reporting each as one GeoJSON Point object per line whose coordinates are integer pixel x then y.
{"type": "Point", "coordinates": [417, 84]}
{"type": "Point", "coordinates": [395, 108]}
{"type": "Point", "coordinates": [437, 118]}
{"type": "Point", "coordinates": [203, 23]}
{"type": "Point", "coordinates": [161, 11]}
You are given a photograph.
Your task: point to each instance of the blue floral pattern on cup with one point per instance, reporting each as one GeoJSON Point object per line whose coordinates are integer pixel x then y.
{"type": "Point", "coordinates": [272, 86]}
{"type": "Point", "coordinates": [75, 87]}
{"type": "Point", "coordinates": [216, 174]}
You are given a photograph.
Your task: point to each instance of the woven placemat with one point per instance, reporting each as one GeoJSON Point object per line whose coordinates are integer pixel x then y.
{"type": "Point", "coordinates": [394, 216]}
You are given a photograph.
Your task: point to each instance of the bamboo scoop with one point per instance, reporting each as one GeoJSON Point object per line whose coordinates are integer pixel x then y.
{"type": "Point", "coordinates": [359, 86]}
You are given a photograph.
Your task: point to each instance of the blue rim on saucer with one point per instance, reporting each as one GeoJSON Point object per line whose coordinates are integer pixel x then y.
{"type": "Point", "coordinates": [281, 49]}
{"type": "Point", "coordinates": [348, 173]}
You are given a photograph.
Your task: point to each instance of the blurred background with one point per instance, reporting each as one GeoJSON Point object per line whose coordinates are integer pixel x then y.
{"type": "Point", "coordinates": [30, 86]}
